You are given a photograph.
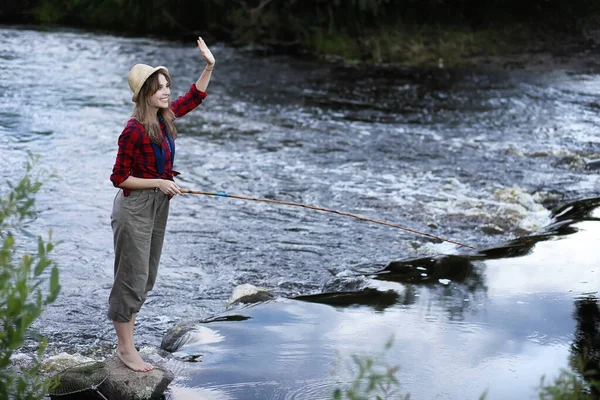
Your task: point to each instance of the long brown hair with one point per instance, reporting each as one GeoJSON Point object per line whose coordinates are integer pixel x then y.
{"type": "Point", "coordinates": [144, 112]}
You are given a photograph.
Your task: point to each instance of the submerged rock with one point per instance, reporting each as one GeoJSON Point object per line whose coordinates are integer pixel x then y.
{"type": "Point", "coordinates": [188, 332]}
{"type": "Point", "coordinates": [593, 164]}
{"type": "Point", "coordinates": [113, 380]}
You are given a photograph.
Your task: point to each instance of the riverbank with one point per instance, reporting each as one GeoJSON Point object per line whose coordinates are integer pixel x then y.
{"type": "Point", "coordinates": [425, 50]}
{"type": "Point", "coordinates": [435, 49]}
{"type": "Point", "coordinates": [369, 32]}
{"type": "Point", "coordinates": [515, 47]}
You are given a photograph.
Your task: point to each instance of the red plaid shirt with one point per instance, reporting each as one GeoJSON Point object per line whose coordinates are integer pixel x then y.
{"type": "Point", "coordinates": [136, 157]}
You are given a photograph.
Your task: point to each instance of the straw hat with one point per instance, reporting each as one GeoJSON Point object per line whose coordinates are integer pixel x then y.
{"type": "Point", "coordinates": [139, 74]}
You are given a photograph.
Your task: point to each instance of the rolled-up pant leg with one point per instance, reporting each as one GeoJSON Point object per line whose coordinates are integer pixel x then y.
{"type": "Point", "coordinates": [138, 222]}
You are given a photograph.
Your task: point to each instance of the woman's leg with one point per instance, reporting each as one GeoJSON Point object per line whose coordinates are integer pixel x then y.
{"type": "Point", "coordinates": [126, 350]}
{"type": "Point", "coordinates": [132, 221]}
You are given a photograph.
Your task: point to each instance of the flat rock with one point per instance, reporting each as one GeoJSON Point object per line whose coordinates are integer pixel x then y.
{"type": "Point", "coordinates": [113, 380]}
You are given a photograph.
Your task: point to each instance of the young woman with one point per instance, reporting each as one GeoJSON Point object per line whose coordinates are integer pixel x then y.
{"type": "Point", "coordinates": [144, 172]}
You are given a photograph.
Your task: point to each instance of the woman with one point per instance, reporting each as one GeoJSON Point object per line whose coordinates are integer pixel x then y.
{"type": "Point", "coordinates": [144, 171]}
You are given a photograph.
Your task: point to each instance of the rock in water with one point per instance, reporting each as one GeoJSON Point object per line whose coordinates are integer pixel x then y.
{"type": "Point", "coordinates": [191, 332]}
{"type": "Point", "coordinates": [248, 293]}
{"type": "Point", "coordinates": [593, 164]}
{"type": "Point", "coordinates": [188, 332]}
{"type": "Point", "coordinates": [113, 380]}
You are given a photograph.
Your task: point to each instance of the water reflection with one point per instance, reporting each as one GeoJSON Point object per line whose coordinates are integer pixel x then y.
{"type": "Point", "coordinates": [455, 281]}
{"type": "Point", "coordinates": [585, 350]}
{"type": "Point", "coordinates": [369, 297]}
{"type": "Point", "coordinates": [178, 391]}
{"type": "Point", "coordinates": [502, 319]}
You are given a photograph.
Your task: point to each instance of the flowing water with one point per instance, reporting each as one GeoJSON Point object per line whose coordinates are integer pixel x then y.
{"type": "Point", "coordinates": [478, 157]}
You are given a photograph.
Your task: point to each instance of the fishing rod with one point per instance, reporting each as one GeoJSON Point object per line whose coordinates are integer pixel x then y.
{"type": "Point", "coordinates": [289, 203]}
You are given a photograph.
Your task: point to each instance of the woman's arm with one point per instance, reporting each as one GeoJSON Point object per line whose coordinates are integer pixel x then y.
{"type": "Point", "coordinates": [164, 185]}
{"type": "Point", "coordinates": [202, 82]}
{"type": "Point", "coordinates": [197, 92]}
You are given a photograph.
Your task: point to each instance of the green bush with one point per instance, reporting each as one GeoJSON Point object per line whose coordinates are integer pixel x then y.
{"type": "Point", "coordinates": [374, 380]}
{"type": "Point", "coordinates": [23, 296]}
{"type": "Point", "coordinates": [568, 386]}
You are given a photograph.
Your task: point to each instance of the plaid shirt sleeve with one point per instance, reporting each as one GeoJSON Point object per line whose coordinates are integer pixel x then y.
{"type": "Point", "coordinates": [130, 141]}
{"type": "Point", "coordinates": [188, 101]}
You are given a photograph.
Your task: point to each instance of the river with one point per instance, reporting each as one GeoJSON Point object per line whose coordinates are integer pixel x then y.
{"type": "Point", "coordinates": [479, 157]}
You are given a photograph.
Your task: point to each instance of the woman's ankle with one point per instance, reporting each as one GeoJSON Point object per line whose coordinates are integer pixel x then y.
{"type": "Point", "coordinates": [126, 349]}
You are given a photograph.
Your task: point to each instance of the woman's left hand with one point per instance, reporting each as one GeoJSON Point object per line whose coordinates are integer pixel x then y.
{"type": "Point", "coordinates": [206, 54]}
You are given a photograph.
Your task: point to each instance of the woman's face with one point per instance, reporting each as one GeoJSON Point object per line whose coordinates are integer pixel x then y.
{"type": "Point", "coordinates": [160, 99]}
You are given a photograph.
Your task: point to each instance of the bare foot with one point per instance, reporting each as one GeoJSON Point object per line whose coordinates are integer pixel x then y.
{"type": "Point", "coordinates": [133, 361]}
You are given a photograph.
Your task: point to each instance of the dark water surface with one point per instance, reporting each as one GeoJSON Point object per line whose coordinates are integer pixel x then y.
{"type": "Point", "coordinates": [482, 158]}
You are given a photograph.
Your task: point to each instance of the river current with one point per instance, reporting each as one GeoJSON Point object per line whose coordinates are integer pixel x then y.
{"type": "Point", "coordinates": [473, 156]}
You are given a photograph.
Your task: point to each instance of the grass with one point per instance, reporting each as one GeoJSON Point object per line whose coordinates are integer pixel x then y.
{"type": "Point", "coordinates": [430, 46]}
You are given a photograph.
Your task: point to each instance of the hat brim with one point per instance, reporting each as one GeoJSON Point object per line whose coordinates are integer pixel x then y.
{"type": "Point", "coordinates": [145, 77]}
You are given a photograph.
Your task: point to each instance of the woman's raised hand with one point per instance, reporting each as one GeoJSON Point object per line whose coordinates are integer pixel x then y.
{"type": "Point", "coordinates": [206, 54]}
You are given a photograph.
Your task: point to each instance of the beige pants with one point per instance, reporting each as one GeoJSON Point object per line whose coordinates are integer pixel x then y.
{"type": "Point", "coordinates": [138, 222]}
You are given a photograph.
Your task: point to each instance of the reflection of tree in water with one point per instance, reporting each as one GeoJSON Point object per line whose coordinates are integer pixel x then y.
{"type": "Point", "coordinates": [377, 299]}
{"type": "Point", "coordinates": [585, 350]}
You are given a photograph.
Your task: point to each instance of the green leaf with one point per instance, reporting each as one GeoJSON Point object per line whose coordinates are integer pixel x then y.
{"type": "Point", "coordinates": [54, 285]}
{"type": "Point", "coordinates": [41, 266]}
{"type": "Point", "coordinates": [41, 247]}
